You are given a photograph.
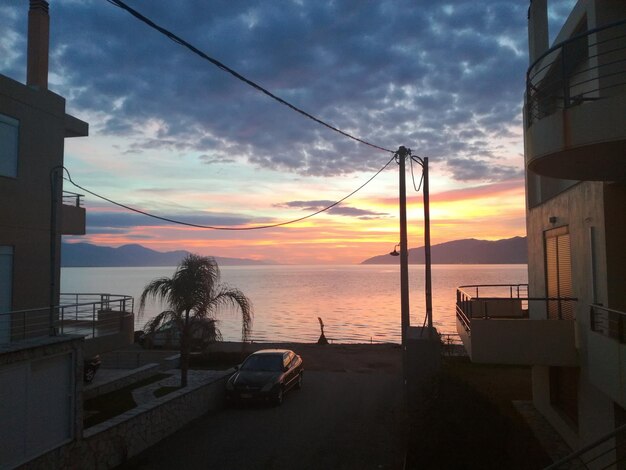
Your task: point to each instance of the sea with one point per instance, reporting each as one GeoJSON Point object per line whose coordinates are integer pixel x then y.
{"type": "Point", "coordinates": [357, 303]}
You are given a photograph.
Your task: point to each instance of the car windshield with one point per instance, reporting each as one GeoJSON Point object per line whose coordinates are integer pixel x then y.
{"type": "Point", "coordinates": [264, 362]}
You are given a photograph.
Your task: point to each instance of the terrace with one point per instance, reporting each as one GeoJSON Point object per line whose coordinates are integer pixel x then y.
{"type": "Point", "coordinates": [575, 96]}
{"type": "Point", "coordinates": [501, 324]}
{"type": "Point", "coordinates": [104, 320]}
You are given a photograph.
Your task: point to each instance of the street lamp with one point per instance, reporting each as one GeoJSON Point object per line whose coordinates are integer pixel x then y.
{"type": "Point", "coordinates": [395, 251]}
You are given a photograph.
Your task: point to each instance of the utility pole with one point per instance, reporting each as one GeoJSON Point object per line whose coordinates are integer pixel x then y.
{"type": "Point", "coordinates": [428, 287]}
{"type": "Point", "coordinates": [401, 156]}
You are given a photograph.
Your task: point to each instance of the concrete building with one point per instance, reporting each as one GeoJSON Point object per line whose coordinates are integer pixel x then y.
{"type": "Point", "coordinates": [569, 322]}
{"type": "Point", "coordinates": [41, 365]}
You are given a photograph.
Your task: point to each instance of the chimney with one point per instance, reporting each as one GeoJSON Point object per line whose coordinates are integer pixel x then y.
{"type": "Point", "coordinates": [38, 40]}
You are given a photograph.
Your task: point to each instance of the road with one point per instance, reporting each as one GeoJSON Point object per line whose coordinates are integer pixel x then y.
{"type": "Point", "coordinates": [341, 419]}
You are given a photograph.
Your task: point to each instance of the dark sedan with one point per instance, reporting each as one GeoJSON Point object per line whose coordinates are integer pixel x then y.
{"type": "Point", "coordinates": [265, 375]}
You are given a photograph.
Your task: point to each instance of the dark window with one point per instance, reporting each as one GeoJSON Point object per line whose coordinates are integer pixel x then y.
{"type": "Point", "coordinates": [564, 391]}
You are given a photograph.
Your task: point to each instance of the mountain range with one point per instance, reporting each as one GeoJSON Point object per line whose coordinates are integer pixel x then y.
{"type": "Point", "coordinates": [469, 251]}
{"type": "Point", "coordinates": [88, 255]}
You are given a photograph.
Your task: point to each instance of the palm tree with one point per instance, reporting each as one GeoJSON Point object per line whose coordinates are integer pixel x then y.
{"type": "Point", "coordinates": [194, 295]}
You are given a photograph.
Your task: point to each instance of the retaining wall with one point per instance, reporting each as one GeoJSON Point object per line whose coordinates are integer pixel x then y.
{"type": "Point", "coordinates": [111, 443]}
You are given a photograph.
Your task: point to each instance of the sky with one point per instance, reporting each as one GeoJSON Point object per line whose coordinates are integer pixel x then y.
{"type": "Point", "coordinates": [173, 135]}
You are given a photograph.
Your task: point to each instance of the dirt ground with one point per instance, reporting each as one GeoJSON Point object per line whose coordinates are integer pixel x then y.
{"type": "Point", "coordinates": [381, 358]}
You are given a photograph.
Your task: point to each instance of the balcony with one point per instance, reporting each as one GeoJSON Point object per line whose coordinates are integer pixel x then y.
{"type": "Point", "coordinates": [606, 351]}
{"type": "Point", "coordinates": [574, 111]}
{"type": "Point", "coordinates": [495, 327]}
{"type": "Point", "coordinates": [72, 214]}
{"type": "Point", "coordinates": [106, 322]}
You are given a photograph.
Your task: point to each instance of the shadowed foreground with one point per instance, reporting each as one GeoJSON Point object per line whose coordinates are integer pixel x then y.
{"type": "Point", "coordinates": [348, 415]}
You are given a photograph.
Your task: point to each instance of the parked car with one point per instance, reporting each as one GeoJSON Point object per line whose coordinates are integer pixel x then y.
{"type": "Point", "coordinates": [90, 368]}
{"type": "Point", "coordinates": [266, 375]}
{"type": "Point", "coordinates": [167, 335]}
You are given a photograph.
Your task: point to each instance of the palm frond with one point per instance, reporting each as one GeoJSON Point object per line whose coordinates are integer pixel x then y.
{"type": "Point", "coordinates": [158, 289]}
{"type": "Point", "coordinates": [228, 296]}
{"type": "Point", "coordinates": [195, 291]}
{"type": "Point", "coordinates": [154, 323]}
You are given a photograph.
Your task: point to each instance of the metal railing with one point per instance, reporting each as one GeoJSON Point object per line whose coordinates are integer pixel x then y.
{"type": "Point", "coordinates": [608, 322]}
{"type": "Point", "coordinates": [586, 67]}
{"type": "Point", "coordinates": [503, 301]}
{"type": "Point", "coordinates": [72, 199]}
{"type": "Point", "coordinates": [89, 315]}
{"type": "Point", "coordinates": [608, 452]}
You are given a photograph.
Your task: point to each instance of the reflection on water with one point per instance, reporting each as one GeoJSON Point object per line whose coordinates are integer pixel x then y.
{"type": "Point", "coordinates": [357, 303]}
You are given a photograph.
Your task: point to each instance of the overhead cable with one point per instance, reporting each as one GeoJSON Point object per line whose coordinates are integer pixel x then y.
{"type": "Point", "coordinates": [237, 75]}
{"type": "Point", "coordinates": [211, 227]}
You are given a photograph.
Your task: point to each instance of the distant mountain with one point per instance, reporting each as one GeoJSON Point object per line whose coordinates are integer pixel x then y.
{"type": "Point", "coordinates": [87, 255]}
{"type": "Point", "coordinates": [470, 251]}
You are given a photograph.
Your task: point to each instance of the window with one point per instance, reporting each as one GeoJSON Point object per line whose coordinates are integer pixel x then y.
{"type": "Point", "coordinates": [559, 273]}
{"type": "Point", "coordinates": [9, 130]}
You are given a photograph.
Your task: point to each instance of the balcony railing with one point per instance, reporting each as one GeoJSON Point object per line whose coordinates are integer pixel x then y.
{"type": "Point", "coordinates": [89, 315]}
{"type": "Point", "coordinates": [587, 67]}
{"type": "Point", "coordinates": [607, 452]}
{"type": "Point", "coordinates": [503, 301]}
{"type": "Point", "coordinates": [72, 199]}
{"type": "Point", "coordinates": [608, 322]}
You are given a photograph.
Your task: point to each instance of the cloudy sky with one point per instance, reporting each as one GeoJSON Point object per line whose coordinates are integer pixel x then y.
{"type": "Point", "coordinates": [174, 135]}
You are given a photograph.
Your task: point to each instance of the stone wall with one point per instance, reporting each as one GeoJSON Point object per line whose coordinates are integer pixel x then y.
{"type": "Point", "coordinates": [111, 443]}
{"type": "Point", "coordinates": [128, 378]}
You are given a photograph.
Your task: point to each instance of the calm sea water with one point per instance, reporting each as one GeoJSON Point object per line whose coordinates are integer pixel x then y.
{"type": "Point", "coordinates": [357, 303]}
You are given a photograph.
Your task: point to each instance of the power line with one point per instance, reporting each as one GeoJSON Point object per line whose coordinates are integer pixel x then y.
{"type": "Point", "coordinates": [257, 227]}
{"type": "Point", "coordinates": [225, 68]}
{"type": "Point", "coordinates": [417, 188]}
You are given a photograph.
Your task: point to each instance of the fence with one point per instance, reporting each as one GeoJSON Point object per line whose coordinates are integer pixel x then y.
{"type": "Point", "coordinates": [90, 315]}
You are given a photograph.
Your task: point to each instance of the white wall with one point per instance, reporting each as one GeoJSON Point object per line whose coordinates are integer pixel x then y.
{"type": "Point", "coordinates": [36, 407]}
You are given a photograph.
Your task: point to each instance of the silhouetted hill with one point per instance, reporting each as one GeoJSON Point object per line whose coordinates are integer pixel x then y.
{"type": "Point", "coordinates": [470, 251]}
{"type": "Point", "coordinates": [87, 255]}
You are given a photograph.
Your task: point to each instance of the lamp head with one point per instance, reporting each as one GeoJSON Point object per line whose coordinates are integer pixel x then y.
{"type": "Point", "coordinates": [395, 251]}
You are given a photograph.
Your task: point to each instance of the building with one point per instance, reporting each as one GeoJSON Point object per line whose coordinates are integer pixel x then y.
{"type": "Point", "coordinates": [40, 364]}
{"type": "Point", "coordinates": [568, 323]}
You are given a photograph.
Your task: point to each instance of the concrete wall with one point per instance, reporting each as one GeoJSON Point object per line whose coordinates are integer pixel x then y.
{"type": "Point", "coordinates": [582, 209]}
{"type": "Point", "coordinates": [110, 444]}
{"type": "Point", "coordinates": [579, 141]}
{"type": "Point", "coordinates": [595, 413]}
{"type": "Point", "coordinates": [25, 215]}
{"type": "Point", "coordinates": [524, 342]}
{"type": "Point", "coordinates": [40, 399]}
{"type": "Point", "coordinates": [73, 220]}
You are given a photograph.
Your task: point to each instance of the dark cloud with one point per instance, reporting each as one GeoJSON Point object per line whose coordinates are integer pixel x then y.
{"type": "Point", "coordinates": [114, 222]}
{"type": "Point", "coordinates": [312, 206]}
{"type": "Point", "coordinates": [465, 169]}
{"type": "Point", "coordinates": [441, 78]}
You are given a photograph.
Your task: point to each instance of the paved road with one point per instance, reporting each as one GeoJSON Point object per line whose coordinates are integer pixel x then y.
{"type": "Point", "coordinates": [339, 420]}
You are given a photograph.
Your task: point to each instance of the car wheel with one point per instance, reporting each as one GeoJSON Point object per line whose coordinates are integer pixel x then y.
{"type": "Point", "coordinates": [279, 397]}
{"type": "Point", "coordinates": [90, 373]}
{"type": "Point", "coordinates": [299, 382]}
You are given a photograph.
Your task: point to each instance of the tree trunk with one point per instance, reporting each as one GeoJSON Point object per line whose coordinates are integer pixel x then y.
{"type": "Point", "coordinates": [184, 360]}
{"type": "Point", "coordinates": [184, 352]}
